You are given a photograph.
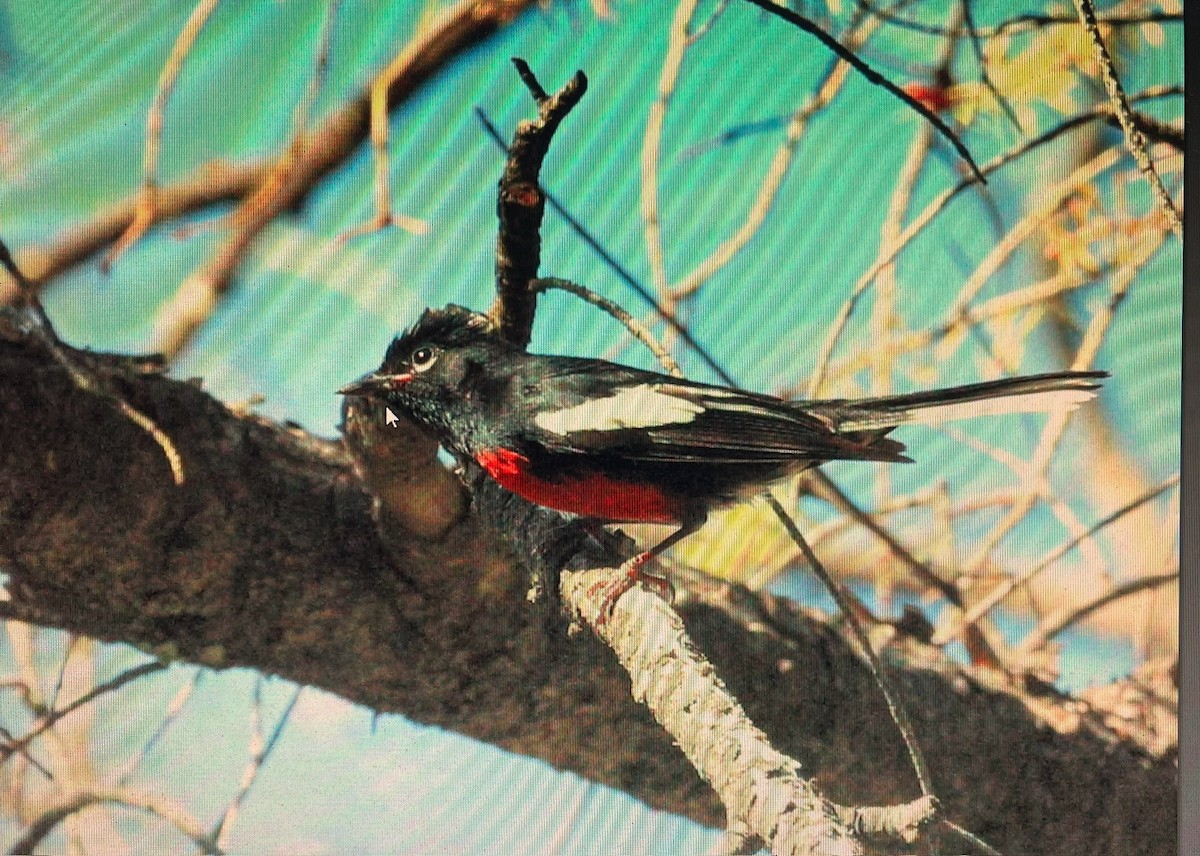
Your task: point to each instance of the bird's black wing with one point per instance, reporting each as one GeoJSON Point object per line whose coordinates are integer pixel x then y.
{"type": "Point", "coordinates": [590, 406]}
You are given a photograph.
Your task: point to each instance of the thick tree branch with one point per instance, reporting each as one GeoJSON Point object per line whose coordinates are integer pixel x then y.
{"type": "Point", "coordinates": [268, 557]}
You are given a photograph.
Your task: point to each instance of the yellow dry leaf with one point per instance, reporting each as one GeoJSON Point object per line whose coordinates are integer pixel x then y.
{"type": "Point", "coordinates": [744, 544]}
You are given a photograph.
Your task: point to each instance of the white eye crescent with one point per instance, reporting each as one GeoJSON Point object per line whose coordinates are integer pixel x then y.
{"type": "Point", "coordinates": [423, 358]}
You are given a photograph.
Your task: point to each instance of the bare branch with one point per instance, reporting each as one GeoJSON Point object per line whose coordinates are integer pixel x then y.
{"type": "Point", "coordinates": [298, 582]}
{"type": "Point", "coordinates": [260, 751]}
{"type": "Point", "coordinates": [1061, 619]}
{"type": "Point", "coordinates": [635, 327]}
{"type": "Point", "coordinates": [1007, 586]}
{"type": "Point", "coordinates": [384, 215]}
{"type": "Point", "coordinates": [762, 790]}
{"type": "Point", "coordinates": [1023, 23]}
{"type": "Point", "coordinates": [895, 706]}
{"type": "Point", "coordinates": [1135, 141]}
{"type": "Point", "coordinates": [1050, 200]}
{"type": "Point", "coordinates": [1120, 281]}
{"type": "Point", "coordinates": [113, 684]}
{"type": "Point", "coordinates": [873, 76]}
{"type": "Point", "coordinates": [521, 203]}
{"type": "Point", "coordinates": [145, 209]}
{"type": "Point", "coordinates": [981, 59]}
{"type": "Point", "coordinates": [457, 28]}
{"type": "Point", "coordinates": [773, 178]}
{"type": "Point", "coordinates": [677, 45]}
{"type": "Point", "coordinates": [82, 797]}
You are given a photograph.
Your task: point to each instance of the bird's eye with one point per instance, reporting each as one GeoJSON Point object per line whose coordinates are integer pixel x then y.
{"type": "Point", "coordinates": [423, 358]}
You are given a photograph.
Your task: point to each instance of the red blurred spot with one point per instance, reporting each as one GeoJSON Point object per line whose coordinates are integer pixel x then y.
{"type": "Point", "coordinates": [934, 98]}
{"type": "Point", "coordinates": [525, 194]}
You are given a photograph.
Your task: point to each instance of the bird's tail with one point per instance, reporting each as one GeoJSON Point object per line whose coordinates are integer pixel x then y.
{"type": "Point", "coordinates": [1042, 393]}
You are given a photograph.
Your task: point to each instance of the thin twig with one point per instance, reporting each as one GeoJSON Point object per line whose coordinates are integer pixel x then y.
{"type": "Point", "coordinates": [1061, 619]}
{"type": "Point", "coordinates": [636, 328]}
{"type": "Point", "coordinates": [174, 709]}
{"type": "Point", "coordinates": [677, 44]}
{"type": "Point", "coordinates": [8, 748]}
{"type": "Point", "coordinates": [891, 697]}
{"type": "Point", "coordinates": [773, 178]}
{"type": "Point", "coordinates": [873, 76]}
{"type": "Point", "coordinates": [111, 685]}
{"type": "Point", "coordinates": [460, 26]}
{"type": "Point", "coordinates": [1056, 424]}
{"type": "Point", "coordinates": [72, 640]}
{"type": "Point", "coordinates": [380, 128]}
{"type": "Point", "coordinates": [146, 208]}
{"type": "Point", "coordinates": [31, 318]}
{"type": "Point", "coordinates": [1053, 196]}
{"type": "Point", "coordinates": [936, 206]}
{"type": "Point", "coordinates": [1062, 282]}
{"type": "Point", "coordinates": [1135, 141]}
{"type": "Point", "coordinates": [981, 59]}
{"type": "Point", "coordinates": [707, 25]}
{"type": "Point", "coordinates": [1023, 23]}
{"type": "Point", "coordinates": [81, 797]}
{"type": "Point", "coordinates": [1093, 557]}
{"type": "Point", "coordinates": [1004, 588]}
{"type": "Point", "coordinates": [828, 490]}
{"type": "Point", "coordinates": [260, 752]}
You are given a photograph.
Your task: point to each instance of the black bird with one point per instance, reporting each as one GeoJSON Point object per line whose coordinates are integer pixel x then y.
{"type": "Point", "coordinates": [616, 444]}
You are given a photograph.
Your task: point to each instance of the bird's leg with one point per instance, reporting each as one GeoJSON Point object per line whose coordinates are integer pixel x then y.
{"type": "Point", "coordinates": [633, 571]}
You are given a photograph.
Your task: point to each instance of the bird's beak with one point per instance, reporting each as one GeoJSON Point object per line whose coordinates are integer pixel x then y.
{"type": "Point", "coordinates": [368, 385]}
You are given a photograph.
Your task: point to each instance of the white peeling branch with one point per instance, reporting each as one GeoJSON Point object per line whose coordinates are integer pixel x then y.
{"type": "Point", "coordinates": [767, 800]}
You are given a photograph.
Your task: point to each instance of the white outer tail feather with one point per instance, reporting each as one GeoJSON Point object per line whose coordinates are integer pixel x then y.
{"type": "Point", "coordinates": [1044, 401]}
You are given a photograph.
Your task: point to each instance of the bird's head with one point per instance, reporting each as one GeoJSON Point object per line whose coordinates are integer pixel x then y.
{"type": "Point", "coordinates": [427, 372]}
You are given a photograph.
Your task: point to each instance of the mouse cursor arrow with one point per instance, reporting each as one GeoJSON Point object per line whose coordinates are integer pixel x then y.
{"type": "Point", "coordinates": [390, 419]}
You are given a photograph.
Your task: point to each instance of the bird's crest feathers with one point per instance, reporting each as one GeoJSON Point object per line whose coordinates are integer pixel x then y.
{"type": "Point", "coordinates": [452, 327]}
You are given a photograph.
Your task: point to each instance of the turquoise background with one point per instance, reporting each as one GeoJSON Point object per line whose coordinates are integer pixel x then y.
{"type": "Point", "coordinates": [305, 316]}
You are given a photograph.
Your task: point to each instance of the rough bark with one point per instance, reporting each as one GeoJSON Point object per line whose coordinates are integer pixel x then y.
{"type": "Point", "coordinates": [268, 557]}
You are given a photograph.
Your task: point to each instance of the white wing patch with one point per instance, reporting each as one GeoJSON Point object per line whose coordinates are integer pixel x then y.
{"type": "Point", "coordinates": [642, 406]}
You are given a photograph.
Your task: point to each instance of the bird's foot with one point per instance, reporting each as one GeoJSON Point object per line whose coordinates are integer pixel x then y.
{"type": "Point", "coordinates": [631, 573]}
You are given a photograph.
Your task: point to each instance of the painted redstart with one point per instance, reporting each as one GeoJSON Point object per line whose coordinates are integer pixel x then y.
{"type": "Point", "coordinates": [615, 444]}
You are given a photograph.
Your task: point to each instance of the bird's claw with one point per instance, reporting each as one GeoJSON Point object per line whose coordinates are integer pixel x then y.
{"type": "Point", "coordinates": [631, 573]}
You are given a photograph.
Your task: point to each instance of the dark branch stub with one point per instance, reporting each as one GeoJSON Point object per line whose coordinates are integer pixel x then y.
{"type": "Point", "coordinates": [521, 203]}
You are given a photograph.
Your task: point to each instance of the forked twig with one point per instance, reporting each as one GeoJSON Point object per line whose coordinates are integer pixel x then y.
{"type": "Point", "coordinates": [260, 751]}
{"type": "Point", "coordinates": [521, 203]}
{"type": "Point", "coordinates": [114, 683]}
{"type": "Point", "coordinates": [1004, 588]}
{"type": "Point", "coordinates": [89, 794]}
{"type": "Point", "coordinates": [1053, 196]}
{"type": "Point", "coordinates": [1059, 620]}
{"type": "Point", "coordinates": [380, 128]}
{"type": "Point", "coordinates": [1093, 337]}
{"type": "Point", "coordinates": [146, 209]}
{"type": "Point", "coordinates": [873, 76]}
{"type": "Point", "coordinates": [31, 319]}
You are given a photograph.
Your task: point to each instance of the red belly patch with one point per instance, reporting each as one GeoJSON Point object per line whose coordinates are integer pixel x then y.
{"type": "Point", "coordinates": [592, 494]}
